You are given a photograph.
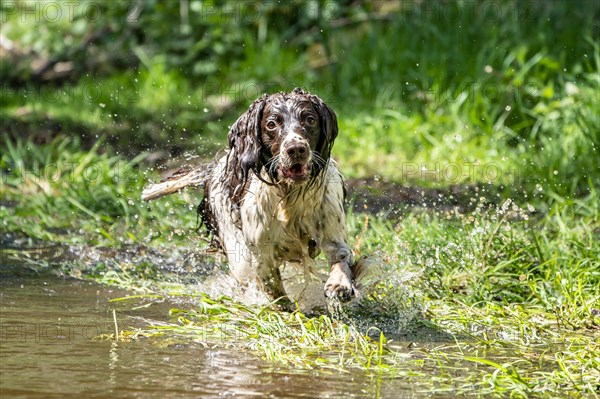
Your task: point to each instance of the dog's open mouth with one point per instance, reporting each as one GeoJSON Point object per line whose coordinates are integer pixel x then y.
{"type": "Point", "coordinates": [296, 172]}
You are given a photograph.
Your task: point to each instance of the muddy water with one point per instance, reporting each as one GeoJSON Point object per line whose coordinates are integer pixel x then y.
{"type": "Point", "coordinates": [49, 349]}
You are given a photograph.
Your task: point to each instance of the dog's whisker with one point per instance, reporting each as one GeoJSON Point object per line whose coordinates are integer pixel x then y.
{"type": "Point", "coordinates": [318, 160]}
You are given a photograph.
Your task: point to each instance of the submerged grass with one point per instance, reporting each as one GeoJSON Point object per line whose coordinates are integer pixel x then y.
{"type": "Point", "coordinates": [519, 352]}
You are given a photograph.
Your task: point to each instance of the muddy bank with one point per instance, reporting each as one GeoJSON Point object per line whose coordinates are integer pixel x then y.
{"type": "Point", "coordinates": [373, 195]}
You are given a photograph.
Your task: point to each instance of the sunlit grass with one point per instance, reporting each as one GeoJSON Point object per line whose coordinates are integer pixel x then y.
{"type": "Point", "coordinates": [502, 300]}
{"type": "Point", "coordinates": [499, 301]}
{"type": "Point", "coordinates": [491, 349]}
{"type": "Point", "coordinates": [60, 192]}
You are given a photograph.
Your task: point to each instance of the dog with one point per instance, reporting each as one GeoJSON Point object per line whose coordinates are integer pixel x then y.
{"type": "Point", "coordinates": [277, 196]}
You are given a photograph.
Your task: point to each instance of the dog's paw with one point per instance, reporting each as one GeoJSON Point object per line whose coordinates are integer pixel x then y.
{"type": "Point", "coordinates": [339, 286]}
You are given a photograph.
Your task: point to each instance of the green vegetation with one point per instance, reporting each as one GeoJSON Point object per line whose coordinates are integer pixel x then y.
{"type": "Point", "coordinates": [493, 288]}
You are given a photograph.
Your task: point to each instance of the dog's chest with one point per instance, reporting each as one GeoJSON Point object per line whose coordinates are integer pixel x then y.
{"type": "Point", "coordinates": [287, 223]}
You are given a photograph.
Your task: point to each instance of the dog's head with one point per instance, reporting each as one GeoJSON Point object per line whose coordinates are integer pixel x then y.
{"type": "Point", "coordinates": [287, 135]}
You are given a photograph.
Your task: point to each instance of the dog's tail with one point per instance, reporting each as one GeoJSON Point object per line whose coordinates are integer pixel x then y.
{"type": "Point", "coordinates": [181, 178]}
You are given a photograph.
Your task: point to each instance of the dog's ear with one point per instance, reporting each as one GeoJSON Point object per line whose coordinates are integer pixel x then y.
{"type": "Point", "coordinates": [329, 126]}
{"type": "Point", "coordinates": [245, 142]}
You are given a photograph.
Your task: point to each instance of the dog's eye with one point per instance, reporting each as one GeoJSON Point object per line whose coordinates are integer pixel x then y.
{"type": "Point", "coordinates": [310, 120]}
{"type": "Point", "coordinates": [271, 124]}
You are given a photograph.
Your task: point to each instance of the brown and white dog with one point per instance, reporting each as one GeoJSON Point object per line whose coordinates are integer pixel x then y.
{"type": "Point", "coordinates": [277, 196]}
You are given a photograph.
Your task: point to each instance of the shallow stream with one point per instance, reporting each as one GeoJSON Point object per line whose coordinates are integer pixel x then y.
{"type": "Point", "coordinates": [50, 348]}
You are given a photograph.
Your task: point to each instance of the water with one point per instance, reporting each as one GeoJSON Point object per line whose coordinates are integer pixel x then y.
{"type": "Point", "coordinates": [49, 349]}
{"type": "Point", "coordinates": [55, 342]}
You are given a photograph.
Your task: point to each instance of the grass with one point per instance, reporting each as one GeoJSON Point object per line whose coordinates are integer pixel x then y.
{"type": "Point", "coordinates": [487, 362]}
{"type": "Point", "coordinates": [470, 346]}
{"type": "Point", "coordinates": [502, 300]}
{"type": "Point", "coordinates": [496, 294]}
{"type": "Point", "coordinates": [73, 195]}
{"type": "Point", "coordinates": [506, 105]}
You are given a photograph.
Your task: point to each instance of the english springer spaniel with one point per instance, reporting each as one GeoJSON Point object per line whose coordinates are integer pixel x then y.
{"type": "Point", "coordinates": [277, 196]}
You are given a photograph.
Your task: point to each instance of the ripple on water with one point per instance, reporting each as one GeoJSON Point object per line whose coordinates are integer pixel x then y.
{"type": "Point", "coordinates": [48, 326]}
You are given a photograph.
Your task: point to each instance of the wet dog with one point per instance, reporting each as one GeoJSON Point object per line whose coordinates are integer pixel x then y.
{"type": "Point", "coordinates": [277, 196]}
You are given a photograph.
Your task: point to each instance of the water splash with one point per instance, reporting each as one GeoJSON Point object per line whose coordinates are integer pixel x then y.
{"type": "Point", "coordinates": [387, 296]}
{"type": "Point", "coordinates": [385, 293]}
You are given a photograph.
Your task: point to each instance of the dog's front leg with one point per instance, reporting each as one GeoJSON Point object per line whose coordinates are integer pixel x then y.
{"type": "Point", "coordinates": [269, 277]}
{"type": "Point", "coordinates": [269, 280]}
{"type": "Point", "coordinates": [339, 283]}
{"type": "Point", "coordinates": [331, 230]}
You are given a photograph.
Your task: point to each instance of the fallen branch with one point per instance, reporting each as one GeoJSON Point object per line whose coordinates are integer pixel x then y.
{"type": "Point", "coordinates": [182, 178]}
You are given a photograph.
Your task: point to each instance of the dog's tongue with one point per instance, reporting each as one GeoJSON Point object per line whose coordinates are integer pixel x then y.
{"type": "Point", "coordinates": [296, 170]}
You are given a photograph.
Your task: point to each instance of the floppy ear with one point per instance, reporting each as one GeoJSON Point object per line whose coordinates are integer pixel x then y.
{"type": "Point", "coordinates": [329, 126]}
{"type": "Point", "coordinates": [245, 145]}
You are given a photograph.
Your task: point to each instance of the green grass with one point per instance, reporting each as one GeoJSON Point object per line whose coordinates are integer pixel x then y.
{"type": "Point", "coordinates": [466, 352]}
{"type": "Point", "coordinates": [506, 104]}
{"type": "Point", "coordinates": [59, 192]}
{"type": "Point", "coordinates": [502, 300]}
{"type": "Point", "coordinates": [429, 312]}
{"type": "Point", "coordinates": [498, 297]}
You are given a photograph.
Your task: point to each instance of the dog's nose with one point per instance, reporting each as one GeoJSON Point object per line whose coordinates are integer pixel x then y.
{"type": "Point", "coordinates": [297, 150]}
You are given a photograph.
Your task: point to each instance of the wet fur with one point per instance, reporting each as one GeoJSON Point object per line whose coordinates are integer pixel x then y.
{"type": "Point", "coordinates": [264, 210]}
